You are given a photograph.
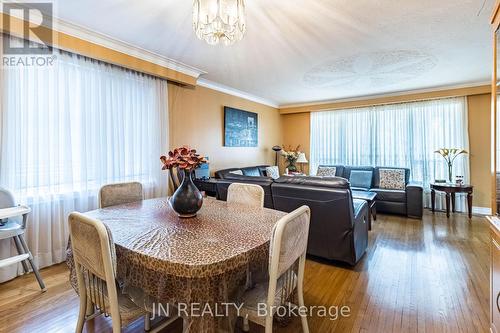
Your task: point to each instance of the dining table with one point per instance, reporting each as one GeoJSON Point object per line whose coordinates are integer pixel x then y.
{"type": "Point", "coordinates": [202, 261]}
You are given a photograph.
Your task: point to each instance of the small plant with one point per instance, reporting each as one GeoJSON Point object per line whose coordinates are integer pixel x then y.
{"type": "Point", "coordinates": [450, 154]}
{"type": "Point", "coordinates": [291, 156]}
{"type": "Point", "coordinates": [184, 158]}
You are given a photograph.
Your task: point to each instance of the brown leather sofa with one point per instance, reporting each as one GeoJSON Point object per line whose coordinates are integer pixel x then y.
{"type": "Point", "coordinates": [339, 223]}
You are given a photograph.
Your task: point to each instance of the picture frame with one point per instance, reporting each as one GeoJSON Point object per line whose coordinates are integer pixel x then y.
{"type": "Point", "coordinates": [241, 128]}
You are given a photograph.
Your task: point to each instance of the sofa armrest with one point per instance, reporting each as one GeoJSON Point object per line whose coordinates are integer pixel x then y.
{"type": "Point", "coordinates": [359, 206]}
{"type": "Point", "coordinates": [415, 184]}
{"type": "Point", "coordinates": [360, 230]}
{"type": "Point", "coordinates": [414, 200]}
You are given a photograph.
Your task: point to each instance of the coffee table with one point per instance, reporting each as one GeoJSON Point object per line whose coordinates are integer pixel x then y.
{"type": "Point", "coordinates": [369, 197]}
{"type": "Point", "coordinates": [450, 190]}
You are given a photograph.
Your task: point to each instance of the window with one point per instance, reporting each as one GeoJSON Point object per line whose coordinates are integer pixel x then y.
{"type": "Point", "coordinates": [69, 128]}
{"type": "Point", "coordinates": [403, 135]}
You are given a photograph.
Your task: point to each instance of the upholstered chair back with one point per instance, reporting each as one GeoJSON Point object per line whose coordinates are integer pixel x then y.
{"type": "Point", "coordinates": [289, 240]}
{"type": "Point", "coordinates": [247, 194]}
{"type": "Point", "coordinates": [120, 193]}
{"type": "Point", "coordinates": [92, 245]}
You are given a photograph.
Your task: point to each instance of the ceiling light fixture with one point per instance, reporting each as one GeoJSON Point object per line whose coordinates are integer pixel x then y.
{"type": "Point", "coordinates": [219, 21]}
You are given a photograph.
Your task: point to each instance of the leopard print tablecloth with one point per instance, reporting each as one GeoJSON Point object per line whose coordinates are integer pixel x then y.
{"type": "Point", "coordinates": [201, 260]}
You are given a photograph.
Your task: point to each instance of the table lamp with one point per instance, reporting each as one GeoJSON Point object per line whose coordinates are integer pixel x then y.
{"type": "Point", "coordinates": [301, 159]}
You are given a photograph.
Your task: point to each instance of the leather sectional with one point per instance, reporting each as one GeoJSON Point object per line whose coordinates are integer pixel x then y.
{"type": "Point", "coordinates": [339, 222]}
{"type": "Point", "coordinates": [407, 201]}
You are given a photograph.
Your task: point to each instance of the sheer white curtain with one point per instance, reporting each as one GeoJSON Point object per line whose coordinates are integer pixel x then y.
{"type": "Point", "coordinates": [402, 135]}
{"type": "Point", "coordinates": [67, 130]}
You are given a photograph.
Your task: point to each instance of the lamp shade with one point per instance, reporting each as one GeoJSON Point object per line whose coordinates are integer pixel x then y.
{"type": "Point", "coordinates": [302, 158]}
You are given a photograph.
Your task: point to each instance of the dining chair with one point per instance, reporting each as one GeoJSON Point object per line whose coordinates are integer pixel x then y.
{"type": "Point", "coordinates": [120, 193]}
{"type": "Point", "coordinates": [247, 194]}
{"type": "Point", "coordinates": [176, 177]}
{"type": "Point", "coordinates": [287, 257]}
{"type": "Point", "coordinates": [10, 228]}
{"type": "Point", "coordinates": [95, 265]}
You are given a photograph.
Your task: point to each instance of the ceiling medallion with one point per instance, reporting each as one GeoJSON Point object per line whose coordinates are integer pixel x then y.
{"type": "Point", "coordinates": [219, 21]}
{"type": "Point", "coordinates": [375, 69]}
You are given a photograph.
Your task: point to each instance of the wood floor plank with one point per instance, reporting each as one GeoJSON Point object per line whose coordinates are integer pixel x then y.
{"type": "Point", "coordinates": [429, 275]}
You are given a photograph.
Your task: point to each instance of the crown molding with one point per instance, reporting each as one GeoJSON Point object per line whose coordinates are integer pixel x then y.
{"type": "Point", "coordinates": [115, 44]}
{"type": "Point", "coordinates": [140, 53]}
{"type": "Point", "coordinates": [235, 92]}
{"type": "Point", "coordinates": [395, 94]}
{"type": "Point", "coordinates": [121, 46]}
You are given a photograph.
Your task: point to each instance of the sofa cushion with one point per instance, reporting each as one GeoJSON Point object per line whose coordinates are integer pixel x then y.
{"type": "Point", "coordinates": [331, 182]}
{"type": "Point", "coordinates": [273, 172]}
{"type": "Point", "coordinates": [361, 179]}
{"type": "Point", "coordinates": [326, 171]}
{"type": "Point", "coordinates": [252, 172]}
{"type": "Point", "coordinates": [348, 169]}
{"type": "Point", "coordinates": [376, 175]}
{"type": "Point", "coordinates": [390, 195]}
{"type": "Point", "coordinates": [392, 179]}
{"type": "Point", "coordinates": [354, 188]}
{"type": "Point", "coordinates": [339, 169]}
{"type": "Point", "coordinates": [243, 178]}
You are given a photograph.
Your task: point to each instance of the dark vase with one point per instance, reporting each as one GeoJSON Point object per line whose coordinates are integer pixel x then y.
{"type": "Point", "coordinates": [291, 166]}
{"type": "Point", "coordinates": [187, 199]}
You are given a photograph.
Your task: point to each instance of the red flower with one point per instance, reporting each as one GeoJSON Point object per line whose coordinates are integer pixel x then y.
{"type": "Point", "coordinates": [182, 158]}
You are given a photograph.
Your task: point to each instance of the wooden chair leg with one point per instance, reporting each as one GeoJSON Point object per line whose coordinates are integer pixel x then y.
{"type": "Point", "coordinates": [246, 325]}
{"type": "Point", "coordinates": [32, 263]}
{"type": "Point", "coordinates": [147, 323]}
{"type": "Point", "coordinates": [300, 292]}
{"type": "Point", "coordinates": [82, 311]}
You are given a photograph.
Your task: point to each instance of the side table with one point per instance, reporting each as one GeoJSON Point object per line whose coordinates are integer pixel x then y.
{"type": "Point", "coordinates": [450, 190]}
{"type": "Point", "coordinates": [209, 186]}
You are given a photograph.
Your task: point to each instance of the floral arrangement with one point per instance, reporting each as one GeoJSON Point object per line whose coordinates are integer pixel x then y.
{"type": "Point", "coordinates": [450, 154]}
{"type": "Point", "coordinates": [291, 155]}
{"type": "Point", "coordinates": [184, 158]}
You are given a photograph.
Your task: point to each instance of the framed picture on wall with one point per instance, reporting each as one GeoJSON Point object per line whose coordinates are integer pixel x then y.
{"type": "Point", "coordinates": [241, 128]}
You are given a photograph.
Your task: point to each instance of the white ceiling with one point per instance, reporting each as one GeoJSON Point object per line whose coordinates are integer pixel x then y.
{"type": "Point", "coordinates": [299, 51]}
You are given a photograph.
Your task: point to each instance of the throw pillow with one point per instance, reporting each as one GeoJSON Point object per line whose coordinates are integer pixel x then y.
{"type": "Point", "coordinates": [237, 172]}
{"type": "Point", "coordinates": [324, 171]}
{"type": "Point", "coordinates": [273, 172]}
{"type": "Point", "coordinates": [361, 179]}
{"type": "Point", "coordinates": [392, 179]}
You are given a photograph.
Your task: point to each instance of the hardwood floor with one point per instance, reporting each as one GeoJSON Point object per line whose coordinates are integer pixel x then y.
{"type": "Point", "coordinates": [417, 276]}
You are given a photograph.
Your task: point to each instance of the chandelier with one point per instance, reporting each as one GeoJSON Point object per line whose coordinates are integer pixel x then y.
{"type": "Point", "coordinates": [219, 21]}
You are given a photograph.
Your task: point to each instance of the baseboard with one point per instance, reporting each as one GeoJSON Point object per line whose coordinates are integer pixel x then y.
{"type": "Point", "coordinates": [481, 210]}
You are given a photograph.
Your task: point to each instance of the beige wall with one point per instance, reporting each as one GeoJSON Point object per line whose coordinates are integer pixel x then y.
{"type": "Point", "coordinates": [197, 119]}
{"type": "Point", "coordinates": [296, 131]}
{"type": "Point", "coordinates": [480, 150]}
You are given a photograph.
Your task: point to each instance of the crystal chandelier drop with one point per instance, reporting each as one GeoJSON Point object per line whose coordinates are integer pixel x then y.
{"type": "Point", "coordinates": [219, 21]}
